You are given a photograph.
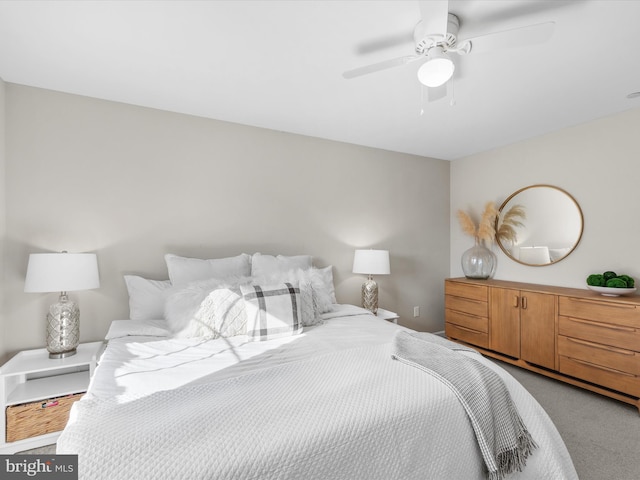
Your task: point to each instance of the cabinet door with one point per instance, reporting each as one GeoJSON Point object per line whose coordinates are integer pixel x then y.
{"type": "Point", "coordinates": [504, 321]}
{"type": "Point", "coordinates": [537, 328]}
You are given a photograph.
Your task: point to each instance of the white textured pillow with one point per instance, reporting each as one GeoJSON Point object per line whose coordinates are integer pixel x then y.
{"type": "Point", "coordinates": [184, 270]}
{"type": "Point", "coordinates": [262, 265]}
{"type": "Point", "coordinates": [273, 311]}
{"type": "Point", "coordinates": [326, 274]}
{"type": "Point", "coordinates": [310, 313]}
{"type": "Point", "coordinates": [221, 314]}
{"type": "Point", "coordinates": [183, 303]}
{"type": "Point", "coordinates": [146, 297]}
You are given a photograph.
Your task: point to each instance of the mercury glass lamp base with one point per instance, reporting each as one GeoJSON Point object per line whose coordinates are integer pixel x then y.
{"type": "Point", "coordinates": [370, 295]}
{"type": "Point", "coordinates": [63, 354]}
{"type": "Point", "coordinates": [63, 328]}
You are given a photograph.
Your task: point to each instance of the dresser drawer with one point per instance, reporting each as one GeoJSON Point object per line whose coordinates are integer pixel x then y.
{"type": "Point", "coordinates": [619, 359]}
{"type": "Point", "coordinates": [610, 378]}
{"type": "Point", "coordinates": [473, 322]}
{"type": "Point", "coordinates": [595, 331]}
{"type": "Point", "coordinates": [465, 305]}
{"type": "Point", "coordinates": [474, 292]}
{"type": "Point", "coordinates": [466, 335]}
{"type": "Point", "coordinates": [604, 312]}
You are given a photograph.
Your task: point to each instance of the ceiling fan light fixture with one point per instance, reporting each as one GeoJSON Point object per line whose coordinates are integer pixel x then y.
{"type": "Point", "coordinates": [438, 68]}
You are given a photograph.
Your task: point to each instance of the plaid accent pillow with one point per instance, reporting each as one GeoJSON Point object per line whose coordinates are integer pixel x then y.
{"type": "Point", "coordinates": [273, 311]}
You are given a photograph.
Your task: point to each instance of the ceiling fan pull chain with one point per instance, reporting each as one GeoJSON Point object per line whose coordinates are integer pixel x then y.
{"type": "Point", "coordinates": [452, 102]}
{"type": "Point", "coordinates": [421, 100]}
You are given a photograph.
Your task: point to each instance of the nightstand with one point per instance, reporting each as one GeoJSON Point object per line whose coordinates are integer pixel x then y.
{"type": "Point", "coordinates": [37, 392]}
{"type": "Point", "coordinates": [387, 315]}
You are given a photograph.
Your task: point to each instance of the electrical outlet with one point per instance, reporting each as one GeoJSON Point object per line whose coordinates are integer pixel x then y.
{"type": "Point", "coordinates": [416, 311]}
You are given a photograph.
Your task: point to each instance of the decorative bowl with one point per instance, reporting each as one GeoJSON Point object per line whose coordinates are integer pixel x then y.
{"type": "Point", "coordinates": [611, 292]}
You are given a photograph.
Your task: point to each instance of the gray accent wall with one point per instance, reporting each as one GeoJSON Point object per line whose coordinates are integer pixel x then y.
{"type": "Point", "coordinates": [132, 183]}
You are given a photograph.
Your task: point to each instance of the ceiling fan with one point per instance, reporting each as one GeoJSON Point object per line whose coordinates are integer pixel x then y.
{"type": "Point", "coordinates": [436, 37]}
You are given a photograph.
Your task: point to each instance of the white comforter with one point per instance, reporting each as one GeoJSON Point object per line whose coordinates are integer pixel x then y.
{"type": "Point", "coordinates": [329, 404]}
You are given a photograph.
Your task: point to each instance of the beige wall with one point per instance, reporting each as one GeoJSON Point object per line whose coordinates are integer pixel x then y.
{"type": "Point", "coordinates": [132, 184]}
{"type": "Point", "coordinates": [597, 162]}
{"type": "Point", "coordinates": [3, 333]}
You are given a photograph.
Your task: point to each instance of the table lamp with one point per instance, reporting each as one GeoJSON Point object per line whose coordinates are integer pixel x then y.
{"type": "Point", "coordinates": [62, 272]}
{"type": "Point", "coordinates": [371, 262]}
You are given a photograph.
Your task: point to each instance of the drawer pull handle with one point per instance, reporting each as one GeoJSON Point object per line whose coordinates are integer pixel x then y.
{"type": "Point", "coordinates": [608, 326]}
{"type": "Point", "coordinates": [49, 404]}
{"type": "Point", "coordinates": [469, 315]}
{"type": "Point", "coordinates": [467, 329]}
{"type": "Point", "coordinates": [601, 347]}
{"type": "Point", "coordinates": [524, 303]}
{"type": "Point", "coordinates": [608, 305]}
{"type": "Point", "coordinates": [606, 369]}
{"type": "Point", "coordinates": [515, 301]}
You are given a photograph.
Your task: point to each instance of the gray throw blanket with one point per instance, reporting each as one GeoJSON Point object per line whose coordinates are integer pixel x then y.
{"type": "Point", "coordinates": [502, 436]}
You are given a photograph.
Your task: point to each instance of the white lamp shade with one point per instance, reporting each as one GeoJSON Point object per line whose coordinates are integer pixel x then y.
{"type": "Point", "coordinates": [437, 70]}
{"type": "Point", "coordinates": [371, 262]}
{"type": "Point", "coordinates": [61, 272]}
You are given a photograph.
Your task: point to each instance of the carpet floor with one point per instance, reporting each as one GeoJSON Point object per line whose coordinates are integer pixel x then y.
{"type": "Point", "coordinates": [601, 434]}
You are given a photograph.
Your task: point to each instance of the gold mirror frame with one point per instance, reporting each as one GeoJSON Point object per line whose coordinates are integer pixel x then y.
{"type": "Point", "coordinates": [544, 250]}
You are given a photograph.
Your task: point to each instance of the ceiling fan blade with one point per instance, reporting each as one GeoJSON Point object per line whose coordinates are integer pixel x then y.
{"type": "Point", "coordinates": [515, 37]}
{"type": "Point", "coordinates": [384, 43]}
{"type": "Point", "coordinates": [376, 67]}
{"type": "Point", "coordinates": [435, 15]}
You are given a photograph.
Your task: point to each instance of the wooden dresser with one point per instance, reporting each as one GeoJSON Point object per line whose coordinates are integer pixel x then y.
{"type": "Point", "coordinates": [573, 335]}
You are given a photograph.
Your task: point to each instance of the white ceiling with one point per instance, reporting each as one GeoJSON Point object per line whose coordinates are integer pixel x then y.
{"type": "Point", "coordinates": [279, 64]}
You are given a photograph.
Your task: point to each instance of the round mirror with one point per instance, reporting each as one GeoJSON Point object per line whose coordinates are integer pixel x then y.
{"type": "Point", "coordinates": [539, 225]}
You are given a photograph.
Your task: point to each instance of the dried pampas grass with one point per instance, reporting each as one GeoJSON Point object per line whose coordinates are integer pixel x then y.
{"type": "Point", "coordinates": [485, 229]}
{"type": "Point", "coordinates": [467, 224]}
{"type": "Point", "coordinates": [511, 220]}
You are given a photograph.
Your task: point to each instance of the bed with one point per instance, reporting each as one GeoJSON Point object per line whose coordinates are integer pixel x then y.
{"type": "Point", "coordinates": [325, 400]}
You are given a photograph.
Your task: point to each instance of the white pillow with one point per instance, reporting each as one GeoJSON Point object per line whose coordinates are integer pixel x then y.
{"type": "Point", "coordinates": [221, 314]}
{"type": "Point", "coordinates": [309, 310]}
{"type": "Point", "coordinates": [146, 297]}
{"type": "Point", "coordinates": [184, 302]}
{"type": "Point", "coordinates": [273, 311]}
{"type": "Point", "coordinates": [326, 274]}
{"type": "Point", "coordinates": [322, 282]}
{"type": "Point", "coordinates": [184, 270]}
{"type": "Point", "coordinates": [262, 265]}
